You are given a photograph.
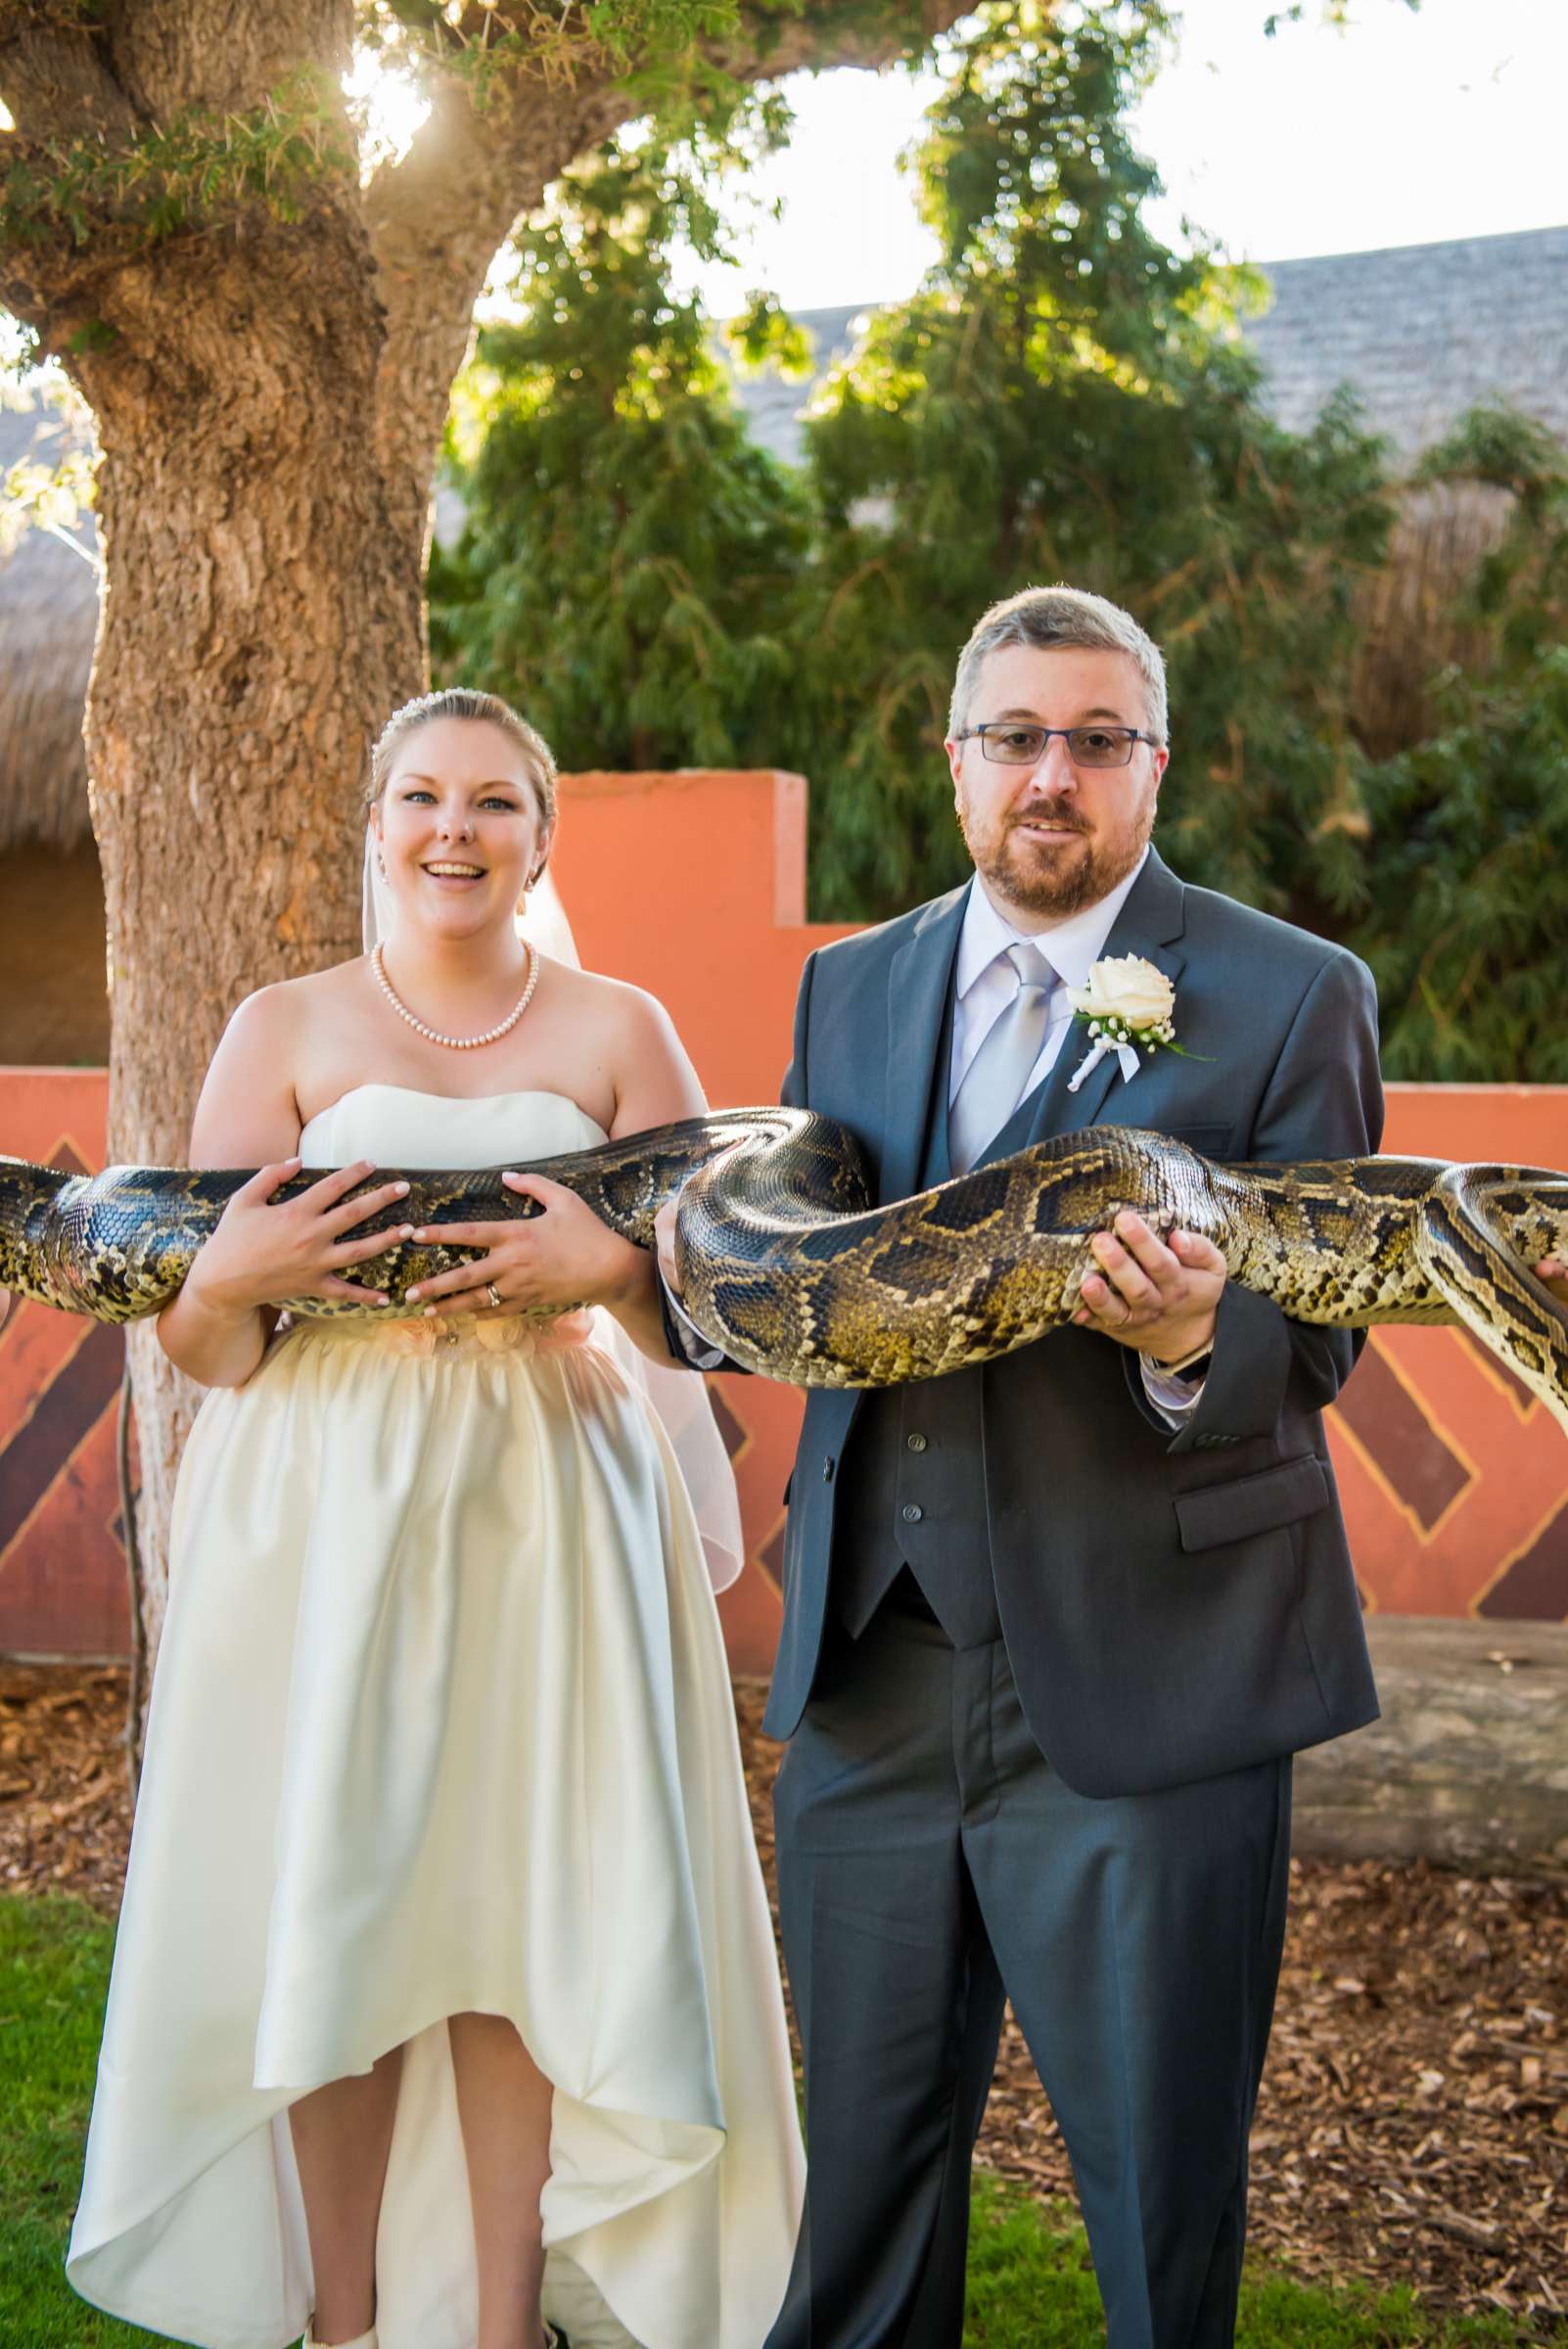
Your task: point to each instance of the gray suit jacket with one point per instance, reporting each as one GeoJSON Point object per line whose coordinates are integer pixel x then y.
{"type": "Point", "coordinates": [1173, 1605]}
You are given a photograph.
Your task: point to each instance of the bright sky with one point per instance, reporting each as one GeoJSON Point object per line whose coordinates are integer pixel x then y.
{"type": "Point", "coordinates": [1405, 128]}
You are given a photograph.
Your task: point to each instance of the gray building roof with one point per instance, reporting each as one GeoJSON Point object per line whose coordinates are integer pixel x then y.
{"type": "Point", "coordinates": [1421, 332]}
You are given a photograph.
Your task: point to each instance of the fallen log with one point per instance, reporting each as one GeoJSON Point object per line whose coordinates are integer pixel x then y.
{"type": "Point", "coordinates": [1469, 1765]}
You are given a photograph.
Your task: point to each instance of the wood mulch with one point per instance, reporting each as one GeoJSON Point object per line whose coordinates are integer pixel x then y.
{"type": "Point", "coordinates": [1413, 2123]}
{"type": "Point", "coordinates": [65, 1799]}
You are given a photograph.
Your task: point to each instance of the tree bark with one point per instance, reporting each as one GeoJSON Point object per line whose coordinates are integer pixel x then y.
{"type": "Point", "coordinates": [261, 617]}
{"type": "Point", "coordinates": [270, 386]}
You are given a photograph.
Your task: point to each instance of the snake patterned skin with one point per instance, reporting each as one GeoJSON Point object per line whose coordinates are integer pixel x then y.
{"type": "Point", "coordinates": [787, 1266]}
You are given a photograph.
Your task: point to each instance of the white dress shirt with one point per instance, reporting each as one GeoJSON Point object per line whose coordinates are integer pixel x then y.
{"type": "Point", "coordinates": [984, 984]}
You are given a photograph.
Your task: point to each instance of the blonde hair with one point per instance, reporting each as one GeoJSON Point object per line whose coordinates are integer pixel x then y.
{"type": "Point", "coordinates": [1059, 619]}
{"type": "Point", "coordinates": [488, 708]}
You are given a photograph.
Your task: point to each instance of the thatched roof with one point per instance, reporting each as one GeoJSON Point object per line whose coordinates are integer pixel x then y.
{"type": "Point", "coordinates": [1421, 332]}
{"type": "Point", "coordinates": [1412, 625]}
{"type": "Point", "coordinates": [48, 619]}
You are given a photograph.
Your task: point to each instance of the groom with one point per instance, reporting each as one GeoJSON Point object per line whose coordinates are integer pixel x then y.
{"type": "Point", "coordinates": [1053, 1627]}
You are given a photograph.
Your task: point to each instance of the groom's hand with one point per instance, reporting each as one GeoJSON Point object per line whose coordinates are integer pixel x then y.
{"type": "Point", "coordinates": [1158, 1298]}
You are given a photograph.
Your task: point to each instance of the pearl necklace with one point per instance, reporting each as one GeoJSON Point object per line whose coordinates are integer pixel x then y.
{"type": "Point", "coordinates": [457, 1044]}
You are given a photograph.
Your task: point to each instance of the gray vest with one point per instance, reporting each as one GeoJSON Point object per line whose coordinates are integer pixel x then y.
{"type": "Point", "coordinates": [912, 1480]}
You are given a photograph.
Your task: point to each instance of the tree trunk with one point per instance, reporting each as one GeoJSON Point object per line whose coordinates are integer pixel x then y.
{"type": "Point", "coordinates": [270, 360]}
{"type": "Point", "coordinates": [261, 617]}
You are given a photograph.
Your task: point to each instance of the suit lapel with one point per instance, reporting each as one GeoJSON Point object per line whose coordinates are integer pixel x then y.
{"type": "Point", "coordinates": [1150, 924]}
{"type": "Point", "coordinates": [918, 982]}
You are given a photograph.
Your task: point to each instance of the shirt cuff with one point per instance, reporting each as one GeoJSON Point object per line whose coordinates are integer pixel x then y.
{"type": "Point", "coordinates": [1173, 1397]}
{"type": "Point", "coordinates": [700, 1352]}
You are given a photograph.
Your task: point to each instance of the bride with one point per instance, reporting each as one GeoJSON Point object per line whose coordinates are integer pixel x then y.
{"type": "Point", "coordinates": [444, 1997]}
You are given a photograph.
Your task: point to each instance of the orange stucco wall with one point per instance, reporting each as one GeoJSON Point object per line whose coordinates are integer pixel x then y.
{"type": "Point", "coordinates": [63, 1589]}
{"type": "Point", "coordinates": [1455, 1479]}
{"type": "Point", "coordinates": [693, 885]}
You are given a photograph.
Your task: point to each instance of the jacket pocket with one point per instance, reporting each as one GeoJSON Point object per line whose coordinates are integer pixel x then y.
{"type": "Point", "coordinates": [1208, 1142]}
{"type": "Point", "coordinates": [1252, 1504]}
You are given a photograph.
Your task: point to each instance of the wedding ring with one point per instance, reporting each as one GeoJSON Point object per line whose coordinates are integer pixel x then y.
{"type": "Point", "coordinates": [493, 1292]}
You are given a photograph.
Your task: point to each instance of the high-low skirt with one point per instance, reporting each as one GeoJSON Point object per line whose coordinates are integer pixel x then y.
{"type": "Point", "coordinates": [442, 1722]}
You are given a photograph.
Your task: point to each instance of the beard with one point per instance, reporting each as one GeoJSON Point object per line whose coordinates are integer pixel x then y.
{"type": "Point", "coordinates": [1057, 878]}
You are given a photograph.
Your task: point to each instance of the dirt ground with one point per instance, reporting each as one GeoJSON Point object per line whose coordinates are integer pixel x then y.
{"type": "Point", "coordinates": [1413, 2123]}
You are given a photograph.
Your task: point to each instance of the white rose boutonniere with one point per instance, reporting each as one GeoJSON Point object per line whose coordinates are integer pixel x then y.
{"type": "Point", "coordinates": [1126, 1007]}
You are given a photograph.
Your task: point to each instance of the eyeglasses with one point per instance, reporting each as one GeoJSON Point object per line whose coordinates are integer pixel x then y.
{"type": "Point", "coordinates": [1011, 745]}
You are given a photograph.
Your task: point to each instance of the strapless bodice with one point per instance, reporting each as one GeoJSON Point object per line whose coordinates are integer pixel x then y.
{"type": "Point", "coordinates": [396, 1126]}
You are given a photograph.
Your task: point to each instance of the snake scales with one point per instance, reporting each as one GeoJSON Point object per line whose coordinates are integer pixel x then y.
{"type": "Point", "coordinates": [790, 1269]}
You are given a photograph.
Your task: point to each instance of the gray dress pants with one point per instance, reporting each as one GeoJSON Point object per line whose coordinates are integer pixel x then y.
{"type": "Point", "coordinates": [930, 1863]}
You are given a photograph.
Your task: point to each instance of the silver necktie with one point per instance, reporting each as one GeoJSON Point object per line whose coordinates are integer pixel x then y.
{"type": "Point", "coordinates": [995, 1080]}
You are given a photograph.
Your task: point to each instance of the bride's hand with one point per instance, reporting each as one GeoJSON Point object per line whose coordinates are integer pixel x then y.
{"type": "Point", "coordinates": [1556, 1276]}
{"type": "Point", "coordinates": [264, 1252]}
{"type": "Point", "coordinates": [566, 1257]}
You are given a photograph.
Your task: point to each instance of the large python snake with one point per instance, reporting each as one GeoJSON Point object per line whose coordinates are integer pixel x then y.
{"type": "Point", "coordinates": [790, 1269]}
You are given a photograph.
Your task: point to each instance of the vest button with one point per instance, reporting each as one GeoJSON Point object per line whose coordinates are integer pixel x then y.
{"type": "Point", "coordinates": [918, 1442]}
{"type": "Point", "coordinates": [913, 1512]}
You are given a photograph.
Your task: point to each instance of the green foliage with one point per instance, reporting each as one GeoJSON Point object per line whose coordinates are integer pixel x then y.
{"type": "Point", "coordinates": [198, 172]}
{"type": "Point", "coordinates": [629, 570]}
{"type": "Point", "coordinates": [627, 30]}
{"type": "Point", "coordinates": [652, 46]}
{"type": "Point", "coordinates": [95, 335]}
{"type": "Point", "coordinates": [1340, 13]}
{"type": "Point", "coordinates": [1468, 860]}
{"type": "Point", "coordinates": [1066, 398]}
{"type": "Point", "coordinates": [765, 334]}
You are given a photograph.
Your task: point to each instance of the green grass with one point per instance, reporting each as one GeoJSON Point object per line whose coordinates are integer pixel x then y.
{"type": "Point", "coordinates": [54, 1972]}
{"type": "Point", "coordinates": [1031, 2285]}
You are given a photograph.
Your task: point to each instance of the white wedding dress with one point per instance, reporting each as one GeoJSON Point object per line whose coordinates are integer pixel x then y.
{"type": "Point", "coordinates": [441, 1722]}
